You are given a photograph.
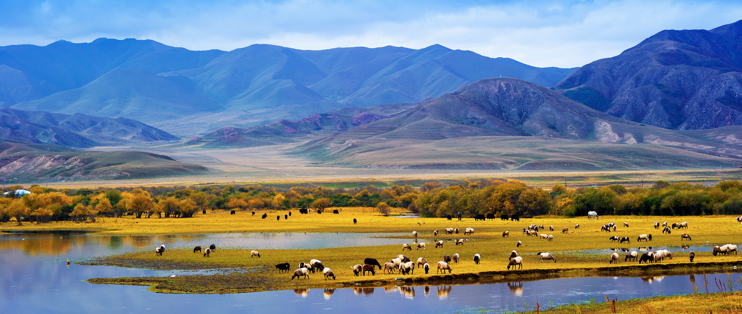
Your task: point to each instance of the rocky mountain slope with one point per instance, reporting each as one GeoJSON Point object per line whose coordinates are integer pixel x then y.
{"type": "Point", "coordinates": [76, 130]}
{"type": "Point", "coordinates": [685, 80]}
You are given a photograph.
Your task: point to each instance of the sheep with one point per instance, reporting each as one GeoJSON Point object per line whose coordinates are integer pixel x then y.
{"type": "Point", "coordinates": [316, 265]}
{"type": "Point", "coordinates": [414, 234]}
{"type": "Point", "coordinates": [565, 230]}
{"type": "Point", "coordinates": [420, 246]}
{"type": "Point", "coordinates": [645, 237]}
{"type": "Point", "coordinates": [664, 254]}
{"type": "Point", "coordinates": [469, 230]}
{"type": "Point", "coordinates": [197, 249]}
{"type": "Point", "coordinates": [456, 257]}
{"type": "Point", "coordinates": [328, 273]}
{"type": "Point", "coordinates": [692, 255]}
{"type": "Point", "coordinates": [372, 261]}
{"type": "Point", "coordinates": [614, 228]}
{"type": "Point", "coordinates": [254, 253]}
{"type": "Point", "coordinates": [551, 228]}
{"type": "Point", "coordinates": [406, 246]}
{"type": "Point", "coordinates": [368, 268]}
{"type": "Point", "coordinates": [664, 224]}
{"type": "Point", "coordinates": [449, 230]}
{"type": "Point", "coordinates": [443, 266]}
{"type": "Point", "coordinates": [646, 257]}
{"type": "Point", "coordinates": [212, 247]}
{"type": "Point", "coordinates": [683, 225]}
{"type": "Point", "coordinates": [408, 268]}
{"type": "Point", "coordinates": [397, 262]}
{"type": "Point", "coordinates": [286, 217]}
{"type": "Point", "coordinates": [732, 249]}
{"type": "Point", "coordinates": [667, 230]}
{"type": "Point", "coordinates": [456, 230]}
{"type": "Point", "coordinates": [657, 257]}
{"type": "Point", "coordinates": [421, 261]}
{"type": "Point", "coordinates": [435, 232]}
{"type": "Point", "coordinates": [518, 244]}
{"type": "Point", "coordinates": [283, 267]}
{"type": "Point", "coordinates": [278, 217]}
{"type": "Point", "coordinates": [614, 258]}
{"type": "Point", "coordinates": [207, 252]}
{"type": "Point", "coordinates": [388, 267]}
{"type": "Point", "coordinates": [675, 225]}
{"type": "Point", "coordinates": [626, 224]}
{"type": "Point", "coordinates": [515, 262]}
{"type": "Point", "coordinates": [546, 256]}
{"type": "Point", "coordinates": [355, 221]}
{"type": "Point", "coordinates": [439, 243]}
{"type": "Point", "coordinates": [159, 250]}
{"type": "Point", "coordinates": [477, 258]}
{"type": "Point", "coordinates": [656, 225]}
{"type": "Point", "coordinates": [543, 236]}
{"type": "Point", "coordinates": [357, 269]}
{"type": "Point", "coordinates": [577, 226]}
{"type": "Point", "coordinates": [631, 256]}
{"type": "Point", "coordinates": [716, 250]}
{"type": "Point", "coordinates": [426, 267]}
{"type": "Point", "coordinates": [685, 236]}
{"type": "Point", "coordinates": [446, 258]}
{"type": "Point", "coordinates": [403, 258]}
{"type": "Point", "coordinates": [625, 239]}
{"type": "Point", "coordinates": [614, 238]}
{"type": "Point", "coordinates": [506, 234]}
{"type": "Point", "coordinates": [299, 273]}
{"type": "Point", "coordinates": [551, 237]}
{"type": "Point", "coordinates": [460, 242]}
{"type": "Point", "coordinates": [513, 254]}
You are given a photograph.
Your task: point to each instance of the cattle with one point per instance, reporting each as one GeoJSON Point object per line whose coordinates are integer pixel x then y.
{"type": "Point", "coordinates": [514, 218]}
{"type": "Point", "coordinates": [335, 211]}
{"type": "Point", "coordinates": [354, 221]}
{"type": "Point", "coordinates": [448, 217]}
{"type": "Point", "coordinates": [265, 216]}
{"type": "Point", "coordinates": [504, 217]}
{"type": "Point", "coordinates": [232, 212]}
{"type": "Point", "coordinates": [368, 268]}
{"type": "Point", "coordinates": [303, 211]}
{"type": "Point", "coordinates": [490, 216]}
{"type": "Point", "coordinates": [479, 217]}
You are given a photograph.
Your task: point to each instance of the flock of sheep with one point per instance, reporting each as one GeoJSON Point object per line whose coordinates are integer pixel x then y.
{"type": "Point", "coordinates": [403, 265]}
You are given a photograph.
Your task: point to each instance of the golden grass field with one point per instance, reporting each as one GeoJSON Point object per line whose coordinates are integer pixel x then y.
{"type": "Point", "coordinates": [692, 303]}
{"type": "Point", "coordinates": [487, 241]}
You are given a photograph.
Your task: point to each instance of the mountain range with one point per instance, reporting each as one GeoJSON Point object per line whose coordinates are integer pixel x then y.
{"type": "Point", "coordinates": [676, 79]}
{"type": "Point", "coordinates": [188, 92]}
{"type": "Point", "coordinates": [78, 130]}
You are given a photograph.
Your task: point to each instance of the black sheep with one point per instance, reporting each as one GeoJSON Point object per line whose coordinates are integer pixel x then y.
{"type": "Point", "coordinates": [372, 261]}
{"type": "Point", "coordinates": [354, 221]}
{"type": "Point", "coordinates": [283, 267]}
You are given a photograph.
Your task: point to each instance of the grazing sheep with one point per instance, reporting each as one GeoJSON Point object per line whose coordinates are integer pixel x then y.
{"type": "Point", "coordinates": [414, 234]}
{"type": "Point", "coordinates": [357, 269]}
{"type": "Point", "coordinates": [388, 267]}
{"type": "Point", "coordinates": [546, 256]}
{"type": "Point", "coordinates": [685, 236]}
{"type": "Point", "coordinates": [477, 258]}
{"type": "Point", "coordinates": [646, 258]}
{"type": "Point", "coordinates": [456, 257]}
{"type": "Point", "coordinates": [657, 257]}
{"type": "Point", "coordinates": [513, 254]}
{"type": "Point", "coordinates": [207, 252]}
{"type": "Point", "coordinates": [577, 226]}
{"type": "Point", "coordinates": [664, 254]}
{"type": "Point", "coordinates": [565, 230]}
{"type": "Point", "coordinates": [403, 258]}
{"type": "Point", "coordinates": [439, 243]}
{"type": "Point", "coordinates": [667, 230]}
{"type": "Point", "coordinates": [421, 261]}
{"type": "Point", "coordinates": [625, 239]}
{"type": "Point", "coordinates": [460, 242]}
{"type": "Point", "coordinates": [446, 258]}
{"type": "Point", "coordinates": [614, 238]}
{"type": "Point", "coordinates": [159, 250]}
{"type": "Point", "coordinates": [328, 273]}
{"type": "Point", "coordinates": [397, 262]}
{"type": "Point", "coordinates": [197, 249]}
{"type": "Point", "coordinates": [664, 224]}
{"type": "Point", "coordinates": [283, 267]}
{"type": "Point", "coordinates": [551, 228]}
{"type": "Point", "coordinates": [278, 217]}
{"type": "Point", "coordinates": [406, 247]}
{"type": "Point", "coordinates": [631, 256]}
{"type": "Point", "coordinates": [506, 234]}
{"type": "Point", "coordinates": [212, 247]}
{"type": "Point", "coordinates": [656, 225]}
{"type": "Point", "coordinates": [683, 225]}
{"type": "Point", "coordinates": [254, 253]}
{"type": "Point", "coordinates": [443, 266]}
{"type": "Point", "coordinates": [543, 236]}
{"type": "Point", "coordinates": [426, 267]}
{"type": "Point", "coordinates": [420, 246]}
{"type": "Point", "coordinates": [435, 232]}
{"type": "Point", "coordinates": [468, 230]}
{"type": "Point", "coordinates": [626, 224]}
{"type": "Point", "coordinates": [675, 225]}
{"type": "Point", "coordinates": [456, 230]}
{"type": "Point", "coordinates": [315, 265]}
{"type": "Point", "coordinates": [299, 273]}
{"type": "Point", "coordinates": [645, 237]}
{"type": "Point", "coordinates": [449, 230]}
{"type": "Point", "coordinates": [372, 261]}
{"type": "Point", "coordinates": [692, 255]}
{"type": "Point", "coordinates": [335, 211]}
{"type": "Point", "coordinates": [408, 268]}
{"type": "Point", "coordinates": [551, 237]}
{"type": "Point", "coordinates": [614, 258]}
{"type": "Point", "coordinates": [515, 262]}
{"type": "Point", "coordinates": [716, 250]}
{"type": "Point", "coordinates": [518, 244]}
{"type": "Point", "coordinates": [368, 268]}
{"type": "Point", "coordinates": [732, 249]}
{"type": "Point", "coordinates": [304, 265]}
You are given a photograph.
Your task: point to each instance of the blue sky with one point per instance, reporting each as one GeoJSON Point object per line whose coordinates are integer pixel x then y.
{"type": "Point", "coordinates": [540, 33]}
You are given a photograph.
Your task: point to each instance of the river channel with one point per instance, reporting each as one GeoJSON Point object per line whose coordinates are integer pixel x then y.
{"type": "Point", "coordinates": [34, 278]}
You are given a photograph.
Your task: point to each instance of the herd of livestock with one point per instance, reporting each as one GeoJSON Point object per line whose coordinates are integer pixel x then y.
{"type": "Point", "coordinates": [402, 264]}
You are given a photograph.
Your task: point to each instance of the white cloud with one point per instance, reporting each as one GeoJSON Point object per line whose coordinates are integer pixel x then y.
{"type": "Point", "coordinates": [540, 33]}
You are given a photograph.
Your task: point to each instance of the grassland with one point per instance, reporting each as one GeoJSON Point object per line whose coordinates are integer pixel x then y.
{"type": "Point", "coordinates": [573, 250]}
{"type": "Point", "coordinates": [693, 303]}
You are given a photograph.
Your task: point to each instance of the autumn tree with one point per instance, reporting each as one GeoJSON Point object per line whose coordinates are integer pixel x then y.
{"type": "Point", "coordinates": [321, 203]}
{"type": "Point", "coordinates": [17, 208]}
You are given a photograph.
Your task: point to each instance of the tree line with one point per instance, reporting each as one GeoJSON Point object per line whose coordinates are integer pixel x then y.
{"type": "Point", "coordinates": [433, 199]}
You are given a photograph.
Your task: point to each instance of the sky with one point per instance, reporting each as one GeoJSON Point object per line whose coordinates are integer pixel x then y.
{"type": "Point", "coordinates": [538, 32]}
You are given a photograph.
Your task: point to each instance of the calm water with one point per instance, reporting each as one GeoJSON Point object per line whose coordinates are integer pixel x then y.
{"type": "Point", "coordinates": [35, 279]}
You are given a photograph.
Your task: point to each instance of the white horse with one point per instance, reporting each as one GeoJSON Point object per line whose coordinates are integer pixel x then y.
{"type": "Point", "coordinates": [592, 214]}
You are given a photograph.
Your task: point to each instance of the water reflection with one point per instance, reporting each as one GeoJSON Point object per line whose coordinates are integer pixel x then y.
{"type": "Point", "coordinates": [651, 279]}
{"type": "Point", "coordinates": [368, 291]}
{"type": "Point", "coordinates": [427, 290]}
{"type": "Point", "coordinates": [443, 292]}
{"type": "Point", "coordinates": [407, 292]}
{"type": "Point", "coordinates": [516, 288]}
{"type": "Point", "coordinates": [301, 292]}
{"type": "Point", "coordinates": [328, 293]}
{"type": "Point", "coordinates": [693, 279]}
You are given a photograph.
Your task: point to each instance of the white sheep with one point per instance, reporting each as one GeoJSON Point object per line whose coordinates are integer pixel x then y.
{"type": "Point", "coordinates": [546, 256]}
{"type": "Point", "coordinates": [443, 266]}
{"type": "Point", "coordinates": [518, 244]}
{"type": "Point", "coordinates": [254, 253]}
{"type": "Point", "coordinates": [515, 262]}
{"type": "Point", "coordinates": [477, 258]}
{"type": "Point", "coordinates": [420, 245]}
{"type": "Point", "coordinates": [456, 257]}
{"type": "Point", "coordinates": [439, 243]}
{"type": "Point", "coordinates": [421, 261]}
{"type": "Point", "coordinates": [406, 247]}
{"type": "Point", "coordinates": [408, 268]}
{"type": "Point", "coordinates": [328, 273]}
{"type": "Point", "coordinates": [414, 234]}
{"type": "Point", "coordinates": [543, 236]}
{"type": "Point", "coordinates": [631, 256]}
{"type": "Point", "coordinates": [614, 258]}
{"type": "Point", "coordinates": [357, 269]}
{"type": "Point", "coordinates": [388, 267]}
{"type": "Point", "coordinates": [299, 273]}
{"type": "Point", "coordinates": [426, 267]}
{"type": "Point", "coordinates": [551, 237]}
{"type": "Point", "coordinates": [460, 242]}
